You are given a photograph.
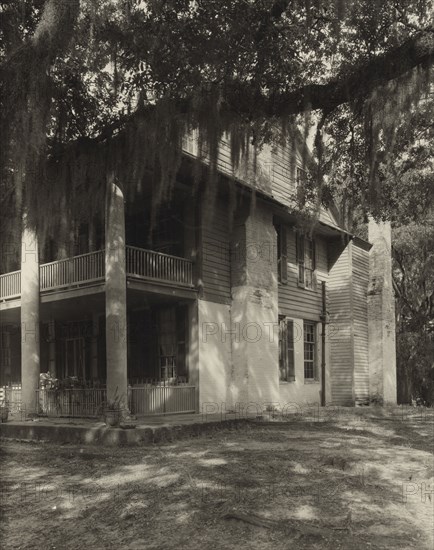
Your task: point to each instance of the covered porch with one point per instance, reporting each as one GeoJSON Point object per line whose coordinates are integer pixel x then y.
{"type": "Point", "coordinates": [161, 366]}
{"type": "Point", "coordinates": [105, 326]}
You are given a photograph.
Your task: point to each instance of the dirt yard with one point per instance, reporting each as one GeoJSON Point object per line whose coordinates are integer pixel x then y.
{"type": "Point", "coordinates": [359, 480]}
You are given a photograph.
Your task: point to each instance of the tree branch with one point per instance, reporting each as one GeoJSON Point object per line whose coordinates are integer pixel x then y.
{"type": "Point", "coordinates": [415, 52]}
{"type": "Point", "coordinates": [238, 98]}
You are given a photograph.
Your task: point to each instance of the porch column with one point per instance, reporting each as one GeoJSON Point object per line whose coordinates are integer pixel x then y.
{"type": "Point", "coordinates": [115, 294]}
{"type": "Point", "coordinates": [52, 348]}
{"type": "Point", "coordinates": [94, 346]}
{"type": "Point", "coordinates": [30, 343]}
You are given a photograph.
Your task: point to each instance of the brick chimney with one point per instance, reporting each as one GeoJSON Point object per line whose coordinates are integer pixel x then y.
{"type": "Point", "coordinates": [381, 315]}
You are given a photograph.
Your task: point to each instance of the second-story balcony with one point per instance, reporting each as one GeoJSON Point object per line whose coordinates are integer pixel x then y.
{"type": "Point", "coordinates": [89, 269]}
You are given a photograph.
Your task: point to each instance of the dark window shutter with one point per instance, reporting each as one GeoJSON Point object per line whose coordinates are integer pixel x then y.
{"type": "Point", "coordinates": [314, 264]}
{"type": "Point", "coordinates": [283, 255]}
{"type": "Point", "coordinates": [282, 349]}
{"type": "Point", "coordinates": [316, 355]}
{"type": "Point", "coordinates": [290, 350]}
{"type": "Point", "coordinates": [313, 254]}
{"type": "Point", "coordinates": [300, 257]}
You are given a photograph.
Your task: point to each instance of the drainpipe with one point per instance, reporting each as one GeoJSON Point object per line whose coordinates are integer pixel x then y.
{"type": "Point", "coordinates": [324, 320]}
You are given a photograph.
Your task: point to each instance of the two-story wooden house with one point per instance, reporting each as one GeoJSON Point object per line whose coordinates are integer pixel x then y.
{"type": "Point", "coordinates": [226, 301]}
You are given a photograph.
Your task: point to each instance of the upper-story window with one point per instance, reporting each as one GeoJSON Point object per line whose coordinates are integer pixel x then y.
{"type": "Point", "coordinates": [306, 260]}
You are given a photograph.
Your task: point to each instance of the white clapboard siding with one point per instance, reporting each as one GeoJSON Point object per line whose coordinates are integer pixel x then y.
{"type": "Point", "coordinates": [340, 329]}
{"type": "Point", "coordinates": [360, 278]}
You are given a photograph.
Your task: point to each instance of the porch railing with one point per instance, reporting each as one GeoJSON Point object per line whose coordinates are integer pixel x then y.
{"type": "Point", "coordinates": [10, 285]}
{"type": "Point", "coordinates": [148, 264]}
{"type": "Point", "coordinates": [11, 396]}
{"type": "Point", "coordinates": [89, 268]}
{"type": "Point", "coordinates": [85, 268]}
{"type": "Point", "coordinates": [82, 402]}
{"type": "Point", "coordinates": [163, 399]}
{"type": "Point", "coordinates": [143, 400]}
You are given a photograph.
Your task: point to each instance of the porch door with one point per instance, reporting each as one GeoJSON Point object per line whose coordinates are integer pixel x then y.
{"type": "Point", "coordinates": [75, 364]}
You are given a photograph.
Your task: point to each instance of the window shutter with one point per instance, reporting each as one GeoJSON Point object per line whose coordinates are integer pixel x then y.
{"type": "Point", "coordinates": [283, 255]}
{"type": "Point", "coordinates": [282, 349]}
{"type": "Point", "coordinates": [316, 354]}
{"type": "Point", "coordinates": [313, 254]}
{"type": "Point", "coordinates": [314, 264]}
{"type": "Point", "coordinates": [290, 350]}
{"type": "Point", "coordinates": [300, 256]}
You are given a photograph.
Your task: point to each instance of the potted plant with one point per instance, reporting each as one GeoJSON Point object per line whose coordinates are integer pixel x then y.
{"type": "Point", "coordinates": [4, 411]}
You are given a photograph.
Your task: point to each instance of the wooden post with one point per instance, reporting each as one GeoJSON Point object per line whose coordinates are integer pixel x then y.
{"type": "Point", "coordinates": [94, 346]}
{"type": "Point", "coordinates": [323, 343]}
{"type": "Point", "coordinates": [30, 342]}
{"type": "Point", "coordinates": [52, 348]}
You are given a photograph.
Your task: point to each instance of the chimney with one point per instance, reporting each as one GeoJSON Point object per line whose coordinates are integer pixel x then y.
{"type": "Point", "coordinates": [381, 315]}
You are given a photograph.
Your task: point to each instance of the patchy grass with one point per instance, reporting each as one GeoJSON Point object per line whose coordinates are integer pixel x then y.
{"type": "Point", "coordinates": [357, 481]}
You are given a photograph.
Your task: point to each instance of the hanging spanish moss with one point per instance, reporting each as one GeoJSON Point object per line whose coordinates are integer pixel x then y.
{"type": "Point", "coordinates": [56, 172]}
{"type": "Point", "coordinates": [383, 111]}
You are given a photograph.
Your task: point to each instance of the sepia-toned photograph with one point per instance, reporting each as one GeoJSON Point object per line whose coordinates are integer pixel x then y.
{"type": "Point", "coordinates": [217, 274]}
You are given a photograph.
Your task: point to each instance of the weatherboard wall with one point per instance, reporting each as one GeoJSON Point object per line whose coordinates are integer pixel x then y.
{"type": "Point", "coordinates": [341, 327]}
{"type": "Point", "coordinates": [294, 300]}
{"type": "Point", "coordinates": [359, 288]}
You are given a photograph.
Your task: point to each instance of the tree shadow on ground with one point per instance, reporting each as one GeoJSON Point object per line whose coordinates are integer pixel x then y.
{"type": "Point", "coordinates": [303, 485]}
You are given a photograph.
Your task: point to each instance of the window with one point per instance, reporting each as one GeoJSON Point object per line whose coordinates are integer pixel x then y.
{"type": "Point", "coordinates": [305, 260]}
{"type": "Point", "coordinates": [282, 258]}
{"type": "Point", "coordinates": [309, 350]}
{"type": "Point", "coordinates": [286, 350]}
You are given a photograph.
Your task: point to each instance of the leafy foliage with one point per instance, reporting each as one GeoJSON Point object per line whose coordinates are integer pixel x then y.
{"type": "Point", "coordinates": [92, 88]}
{"type": "Point", "coordinates": [413, 275]}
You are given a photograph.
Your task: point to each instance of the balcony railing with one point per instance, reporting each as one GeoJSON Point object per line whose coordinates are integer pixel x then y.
{"type": "Point", "coordinates": [86, 268]}
{"type": "Point", "coordinates": [10, 285]}
{"type": "Point", "coordinates": [90, 268]}
{"type": "Point", "coordinates": [147, 264]}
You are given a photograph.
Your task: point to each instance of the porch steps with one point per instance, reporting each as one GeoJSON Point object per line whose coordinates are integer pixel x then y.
{"type": "Point", "coordinates": [147, 432]}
